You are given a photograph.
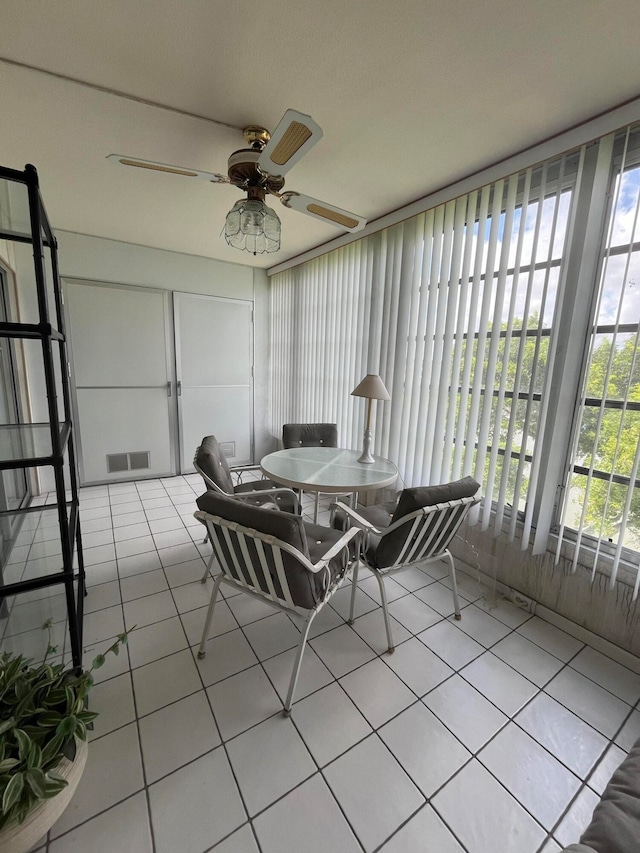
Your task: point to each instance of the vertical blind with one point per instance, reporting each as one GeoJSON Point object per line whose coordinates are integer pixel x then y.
{"type": "Point", "coordinates": [603, 490]}
{"type": "Point", "coordinates": [454, 309]}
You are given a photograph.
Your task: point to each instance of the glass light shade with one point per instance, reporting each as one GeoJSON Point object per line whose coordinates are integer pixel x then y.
{"type": "Point", "coordinates": [252, 227]}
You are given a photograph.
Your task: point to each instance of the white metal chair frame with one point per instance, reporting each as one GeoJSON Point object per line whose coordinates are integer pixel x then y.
{"type": "Point", "coordinates": [238, 472]}
{"type": "Point", "coordinates": [231, 573]}
{"type": "Point", "coordinates": [426, 541]}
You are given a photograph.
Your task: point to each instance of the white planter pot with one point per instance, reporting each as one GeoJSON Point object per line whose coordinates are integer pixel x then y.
{"type": "Point", "coordinates": [21, 837]}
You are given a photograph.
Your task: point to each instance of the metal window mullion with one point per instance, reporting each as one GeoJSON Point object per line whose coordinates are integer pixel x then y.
{"type": "Point", "coordinates": [522, 347]}
{"type": "Point", "coordinates": [489, 410]}
{"type": "Point", "coordinates": [467, 426]}
{"type": "Point", "coordinates": [569, 332]}
{"type": "Point", "coordinates": [481, 429]}
{"type": "Point", "coordinates": [462, 464]}
{"type": "Point", "coordinates": [506, 466]}
{"type": "Point", "coordinates": [546, 385]}
{"type": "Point", "coordinates": [600, 421]}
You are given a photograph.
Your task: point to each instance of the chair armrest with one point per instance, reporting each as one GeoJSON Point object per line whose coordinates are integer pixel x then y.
{"type": "Point", "coordinates": [366, 525]}
{"type": "Point", "coordinates": [336, 548]}
{"type": "Point", "coordinates": [238, 471]}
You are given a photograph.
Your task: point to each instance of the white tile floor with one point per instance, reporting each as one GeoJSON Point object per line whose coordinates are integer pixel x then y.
{"type": "Point", "coordinates": [496, 733]}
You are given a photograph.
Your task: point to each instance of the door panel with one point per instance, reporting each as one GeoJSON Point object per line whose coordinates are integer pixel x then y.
{"type": "Point", "coordinates": [231, 408]}
{"type": "Point", "coordinates": [122, 351]}
{"type": "Point", "coordinates": [214, 358]}
{"type": "Point", "coordinates": [117, 421]}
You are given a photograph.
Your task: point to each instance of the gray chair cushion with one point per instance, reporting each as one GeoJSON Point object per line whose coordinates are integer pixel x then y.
{"type": "Point", "coordinates": [309, 435]}
{"type": "Point", "coordinates": [210, 459]}
{"type": "Point", "coordinates": [307, 588]}
{"type": "Point", "coordinates": [615, 826]}
{"type": "Point", "coordinates": [421, 496]}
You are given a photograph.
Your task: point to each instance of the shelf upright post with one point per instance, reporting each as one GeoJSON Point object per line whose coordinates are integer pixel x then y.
{"type": "Point", "coordinates": [35, 212]}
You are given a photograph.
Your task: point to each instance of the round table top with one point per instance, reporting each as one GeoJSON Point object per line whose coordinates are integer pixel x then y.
{"type": "Point", "coordinates": [328, 469]}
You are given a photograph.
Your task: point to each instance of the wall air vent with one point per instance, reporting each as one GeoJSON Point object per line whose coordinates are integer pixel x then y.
{"type": "Point", "coordinates": [139, 460]}
{"type": "Point", "coordinates": [118, 462]}
{"type": "Point", "coordinates": [228, 449]}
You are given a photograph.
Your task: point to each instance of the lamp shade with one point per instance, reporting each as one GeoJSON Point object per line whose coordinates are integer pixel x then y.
{"type": "Point", "coordinates": [371, 387]}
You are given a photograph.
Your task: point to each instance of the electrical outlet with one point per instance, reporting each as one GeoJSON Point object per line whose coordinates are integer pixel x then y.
{"type": "Point", "coordinates": [522, 601]}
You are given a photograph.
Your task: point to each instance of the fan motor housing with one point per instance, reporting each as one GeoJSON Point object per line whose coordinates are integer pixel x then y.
{"type": "Point", "coordinates": [244, 172]}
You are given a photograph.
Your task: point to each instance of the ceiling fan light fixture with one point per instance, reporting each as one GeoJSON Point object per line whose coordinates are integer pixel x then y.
{"type": "Point", "coordinates": [253, 227]}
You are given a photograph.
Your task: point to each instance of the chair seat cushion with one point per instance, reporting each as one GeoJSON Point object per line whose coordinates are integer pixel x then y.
{"type": "Point", "coordinates": [284, 501]}
{"type": "Point", "coordinates": [319, 540]}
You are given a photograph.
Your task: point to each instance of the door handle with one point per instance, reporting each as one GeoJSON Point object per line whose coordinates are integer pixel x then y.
{"type": "Point", "coordinates": [179, 384]}
{"type": "Point", "coordinates": [168, 389]}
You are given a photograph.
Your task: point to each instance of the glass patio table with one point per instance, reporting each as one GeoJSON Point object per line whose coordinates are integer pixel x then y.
{"type": "Point", "coordinates": [330, 470]}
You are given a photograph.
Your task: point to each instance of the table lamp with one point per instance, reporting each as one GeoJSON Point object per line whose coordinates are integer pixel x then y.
{"type": "Point", "coordinates": [371, 387]}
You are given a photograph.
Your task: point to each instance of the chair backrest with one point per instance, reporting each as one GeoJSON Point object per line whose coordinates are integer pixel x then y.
{"type": "Point", "coordinates": [309, 435]}
{"type": "Point", "coordinates": [264, 551]}
{"type": "Point", "coordinates": [211, 464]}
{"type": "Point", "coordinates": [425, 521]}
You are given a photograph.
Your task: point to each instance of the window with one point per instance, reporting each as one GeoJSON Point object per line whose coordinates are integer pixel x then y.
{"type": "Point", "coordinates": [602, 500]}
{"type": "Point", "coordinates": [507, 336]}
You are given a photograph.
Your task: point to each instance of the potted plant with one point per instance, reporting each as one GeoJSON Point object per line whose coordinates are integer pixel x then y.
{"type": "Point", "coordinates": [43, 741]}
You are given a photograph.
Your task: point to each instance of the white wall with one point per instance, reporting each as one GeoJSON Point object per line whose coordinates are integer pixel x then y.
{"type": "Point", "coordinates": [99, 259]}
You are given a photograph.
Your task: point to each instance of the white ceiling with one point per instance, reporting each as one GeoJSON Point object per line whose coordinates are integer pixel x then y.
{"type": "Point", "coordinates": [411, 96]}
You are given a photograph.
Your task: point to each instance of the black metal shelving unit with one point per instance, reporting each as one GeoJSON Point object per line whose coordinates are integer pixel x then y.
{"type": "Point", "coordinates": [36, 445]}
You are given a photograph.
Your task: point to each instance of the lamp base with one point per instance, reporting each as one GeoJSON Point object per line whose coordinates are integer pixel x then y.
{"type": "Point", "coordinates": [366, 458]}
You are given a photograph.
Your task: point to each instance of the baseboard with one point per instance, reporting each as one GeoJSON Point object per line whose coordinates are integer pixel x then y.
{"type": "Point", "coordinates": [597, 642]}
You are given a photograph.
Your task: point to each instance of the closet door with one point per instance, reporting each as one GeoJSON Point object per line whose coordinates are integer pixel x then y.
{"type": "Point", "coordinates": [121, 348]}
{"type": "Point", "coordinates": [214, 369]}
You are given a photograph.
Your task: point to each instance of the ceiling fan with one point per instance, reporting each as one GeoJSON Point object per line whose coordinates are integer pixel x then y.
{"type": "Point", "coordinates": [260, 169]}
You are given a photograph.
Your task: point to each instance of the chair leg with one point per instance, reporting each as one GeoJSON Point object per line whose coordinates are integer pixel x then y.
{"type": "Point", "coordinates": [207, 621]}
{"type": "Point", "coordinates": [315, 509]}
{"type": "Point", "coordinates": [354, 587]}
{"type": "Point", "coordinates": [385, 612]}
{"type": "Point", "coordinates": [454, 586]}
{"type": "Point", "coordinates": [296, 666]}
{"type": "Point", "coordinates": [204, 577]}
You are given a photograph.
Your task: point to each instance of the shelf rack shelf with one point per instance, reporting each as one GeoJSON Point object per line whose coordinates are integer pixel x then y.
{"type": "Point", "coordinates": [48, 444]}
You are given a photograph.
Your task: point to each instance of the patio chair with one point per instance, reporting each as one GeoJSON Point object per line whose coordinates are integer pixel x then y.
{"type": "Point", "coordinates": [276, 557]}
{"type": "Point", "coordinates": [415, 531]}
{"type": "Point", "coordinates": [310, 435]}
{"type": "Point", "coordinates": [210, 462]}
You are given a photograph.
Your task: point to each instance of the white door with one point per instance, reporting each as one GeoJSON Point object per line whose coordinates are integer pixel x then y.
{"type": "Point", "coordinates": [122, 351]}
{"type": "Point", "coordinates": [214, 358]}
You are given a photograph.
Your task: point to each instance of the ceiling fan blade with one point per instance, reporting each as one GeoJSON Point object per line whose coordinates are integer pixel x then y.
{"type": "Point", "coordinates": [122, 160]}
{"type": "Point", "coordinates": [296, 134]}
{"type": "Point", "coordinates": [321, 210]}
